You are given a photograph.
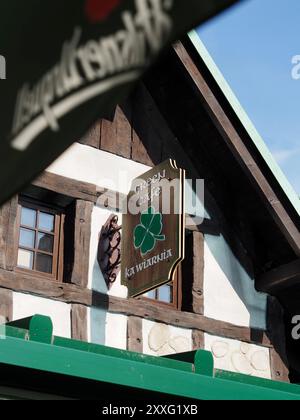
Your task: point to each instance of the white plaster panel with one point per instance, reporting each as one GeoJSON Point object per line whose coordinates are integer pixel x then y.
{"type": "Point", "coordinates": [161, 339]}
{"type": "Point", "coordinates": [97, 167]}
{"type": "Point", "coordinates": [86, 164]}
{"type": "Point", "coordinates": [25, 306]}
{"type": "Point", "coordinates": [229, 291]}
{"type": "Point", "coordinates": [238, 357]}
{"type": "Point", "coordinates": [96, 279]}
{"type": "Point", "coordinates": [107, 329]}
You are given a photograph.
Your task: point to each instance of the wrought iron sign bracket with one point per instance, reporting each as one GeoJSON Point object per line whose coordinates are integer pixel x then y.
{"type": "Point", "coordinates": [109, 250]}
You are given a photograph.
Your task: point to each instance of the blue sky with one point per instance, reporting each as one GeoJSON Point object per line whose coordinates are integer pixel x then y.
{"type": "Point", "coordinates": [253, 45]}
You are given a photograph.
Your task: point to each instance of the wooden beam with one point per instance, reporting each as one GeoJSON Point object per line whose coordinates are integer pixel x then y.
{"type": "Point", "coordinates": [92, 137]}
{"type": "Point", "coordinates": [6, 306]}
{"type": "Point", "coordinates": [103, 197]}
{"type": "Point", "coordinates": [116, 136]}
{"type": "Point", "coordinates": [82, 239]}
{"type": "Point", "coordinates": [280, 278]}
{"type": "Point", "coordinates": [8, 234]}
{"type": "Point", "coordinates": [276, 333]}
{"type": "Point", "coordinates": [80, 190]}
{"type": "Point", "coordinates": [198, 273]}
{"type": "Point", "coordinates": [198, 340]}
{"type": "Point", "coordinates": [67, 186]}
{"type": "Point", "coordinates": [72, 294]}
{"type": "Point", "coordinates": [79, 322]}
{"type": "Point", "coordinates": [135, 334]}
{"type": "Point", "coordinates": [240, 151]}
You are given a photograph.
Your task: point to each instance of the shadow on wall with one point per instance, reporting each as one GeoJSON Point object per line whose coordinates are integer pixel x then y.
{"type": "Point", "coordinates": [225, 270]}
{"type": "Point", "coordinates": [100, 318]}
{"type": "Point", "coordinates": [99, 309]}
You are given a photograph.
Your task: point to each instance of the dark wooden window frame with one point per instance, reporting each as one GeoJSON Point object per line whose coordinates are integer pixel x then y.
{"type": "Point", "coordinates": [58, 244]}
{"type": "Point", "coordinates": [177, 293]}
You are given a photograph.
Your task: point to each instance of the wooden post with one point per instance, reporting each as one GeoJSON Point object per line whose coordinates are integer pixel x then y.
{"type": "Point", "coordinates": [116, 136]}
{"type": "Point", "coordinates": [198, 340]}
{"type": "Point", "coordinates": [8, 234]}
{"type": "Point", "coordinates": [6, 305]}
{"type": "Point", "coordinates": [135, 334]}
{"type": "Point", "coordinates": [83, 220]}
{"type": "Point", "coordinates": [193, 281]}
{"type": "Point", "coordinates": [276, 334]}
{"type": "Point", "coordinates": [79, 322]}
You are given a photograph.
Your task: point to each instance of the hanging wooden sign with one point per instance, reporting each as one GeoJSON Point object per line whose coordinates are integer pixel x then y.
{"type": "Point", "coordinates": [153, 229]}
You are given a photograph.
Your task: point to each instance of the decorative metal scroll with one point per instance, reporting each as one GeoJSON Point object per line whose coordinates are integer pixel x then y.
{"type": "Point", "coordinates": [109, 250]}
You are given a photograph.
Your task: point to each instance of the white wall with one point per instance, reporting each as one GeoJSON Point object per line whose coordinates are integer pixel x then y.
{"type": "Point", "coordinates": [107, 329]}
{"type": "Point", "coordinates": [238, 357]}
{"type": "Point", "coordinates": [97, 167]}
{"type": "Point", "coordinates": [96, 279]}
{"type": "Point", "coordinates": [229, 291]}
{"type": "Point", "coordinates": [25, 306]}
{"type": "Point", "coordinates": [161, 339]}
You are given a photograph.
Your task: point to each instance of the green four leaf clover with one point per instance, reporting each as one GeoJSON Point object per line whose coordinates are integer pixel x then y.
{"type": "Point", "coordinates": [148, 232]}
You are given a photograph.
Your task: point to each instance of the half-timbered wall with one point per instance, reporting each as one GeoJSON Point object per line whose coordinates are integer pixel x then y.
{"type": "Point", "coordinates": [221, 312]}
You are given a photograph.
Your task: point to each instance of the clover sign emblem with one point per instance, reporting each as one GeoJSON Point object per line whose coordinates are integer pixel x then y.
{"type": "Point", "coordinates": [148, 232]}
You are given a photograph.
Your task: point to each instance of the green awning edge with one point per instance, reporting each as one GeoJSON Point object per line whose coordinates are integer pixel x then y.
{"type": "Point", "coordinates": [246, 121]}
{"type": "Point", "coordinates": [30, 344]}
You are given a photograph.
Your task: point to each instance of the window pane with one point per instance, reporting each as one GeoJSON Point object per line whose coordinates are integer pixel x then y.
{"type": "Point", "coordinates": [46, 222]}
{"type": "Point", "coordinates": [45, 242]}
{"type": "Point", "coordinates": [43, 263]}
{"type": "Point", "coordinates": [150, 295]}
{"type": "Point", "coordinates": [25, 259]}
{"type": "Point", "coordinates": [27, 238]}
{"type": "Point", "coordinates": [164, 294]}
{"type": "Point", "coordinates": [28, 217]}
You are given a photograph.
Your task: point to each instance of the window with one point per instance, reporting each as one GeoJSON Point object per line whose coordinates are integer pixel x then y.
{"type": "Point", "coordinates": [164, 294]}
{"type": "Point", "coordinates": [168, 294]}
{"type": "Point", "coordinates": [39, 239]}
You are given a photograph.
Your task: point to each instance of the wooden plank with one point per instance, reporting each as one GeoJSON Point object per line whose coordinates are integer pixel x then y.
{"type": "Point", "coordinates": [82, 237]}
{"type": "Point", "coordinates": [4, 226]}
{"type": "Point", "coordinates": [92, 137]}
{"type": "Point", "coordinates": [198, 340]}
{"type": "Point", "coordinates": [279, 370]}
{"type": "Point", "coordinates": [135, 334]}
{"type": "Point", "coordinates": [193, 269]}
{"type": "Point", "coordinates": [198, 273]}
{"type": "Point", "coordinates": [280, 278]}
{"type": "Point", "coordinates": [11, 238]}
{"type": "Point", "coordinates": [79, 323]}
{"type": "Point", "coordinates": [116, 136]}
{"type": "Point", "coordinates": [67, 186]}
{"type": "Point", "coordinates": [6, 306]}
{"type": "Point", "coordinates": [146, 142]}
{"type": "Point", "coordinates": [241, 152]}
{"type": "Point", "coordinates": [69, 293]}
{"type": "Point", "coordinates": [276, 333]}
{"type": "Point", "coordinates": [104, 197]}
